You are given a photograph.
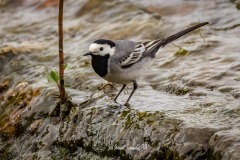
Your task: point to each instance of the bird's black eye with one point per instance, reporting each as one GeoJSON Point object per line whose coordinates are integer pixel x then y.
{"type": "Point", "coordinates": [101, 48]}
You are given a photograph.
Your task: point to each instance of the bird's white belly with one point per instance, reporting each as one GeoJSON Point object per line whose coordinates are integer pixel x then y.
{"type": "Point", "coordinates": [123, 78]}
{"type": "Point", "coordinates": [127, 75]}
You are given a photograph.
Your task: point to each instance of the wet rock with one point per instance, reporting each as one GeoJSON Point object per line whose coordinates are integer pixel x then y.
{"type": "Point", "coordinates": [125, 133]}
{"type": "Point", "coordinates": [192, 143]}
{"type": "Point", "coordinates": [221, 141]}
{"type": "Point", "coordinates": [24, 47]}
{"type": "Point", "coordinates": [4, 86]}
{"type": "Point", "coordinates": [93, 6]}
{"type": "Point", "coordinates": [35, 125]}
{"type": "Point", "coordinates": [173, 89]}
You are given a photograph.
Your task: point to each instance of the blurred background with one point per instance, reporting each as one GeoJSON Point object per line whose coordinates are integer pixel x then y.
{"type": "Point", "coordinates": [195, 79]}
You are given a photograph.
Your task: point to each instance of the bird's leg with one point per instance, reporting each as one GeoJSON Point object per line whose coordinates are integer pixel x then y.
{"type": "Point", "coordinates": [135, 85]}
{"type": "Point", "coordinates": [115, 99]}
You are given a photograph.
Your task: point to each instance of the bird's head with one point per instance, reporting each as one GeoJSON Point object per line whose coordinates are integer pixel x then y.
{"type": "Point", "coordinates": [101, 47]}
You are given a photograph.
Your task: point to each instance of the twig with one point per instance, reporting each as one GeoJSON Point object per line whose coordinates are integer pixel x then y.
{"type": "Point", "coordinates": [61, 53]}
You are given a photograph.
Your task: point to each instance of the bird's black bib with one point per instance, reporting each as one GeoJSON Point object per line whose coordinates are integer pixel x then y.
{"type": "Point", "coordinates": [100, 64]}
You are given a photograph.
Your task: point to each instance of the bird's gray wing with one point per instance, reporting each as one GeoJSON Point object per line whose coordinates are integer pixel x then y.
{"type": "Point", "coordinates": [140, 50]}
{"type": "Point", "coordinates": [134, 56]}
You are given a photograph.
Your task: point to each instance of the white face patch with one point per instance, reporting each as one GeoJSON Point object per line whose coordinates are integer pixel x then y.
{"type": "Point", "coordinates": [101, 49]}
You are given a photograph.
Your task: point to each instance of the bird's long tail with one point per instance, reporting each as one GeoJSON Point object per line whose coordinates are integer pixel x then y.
{"type": "Point", "coordinates": [175, 36]}
{"type": "Point", "coordinates": [155, 45]}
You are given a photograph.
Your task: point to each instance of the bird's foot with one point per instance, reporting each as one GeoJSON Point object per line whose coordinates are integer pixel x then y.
{"type": "Point", "coordinates": [114, 101]}
{"type": "Point", "coordinates": [127, 105]}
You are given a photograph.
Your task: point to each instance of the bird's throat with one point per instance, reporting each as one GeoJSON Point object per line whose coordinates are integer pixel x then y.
{"type": "Point", "coordinates": [100, 64]}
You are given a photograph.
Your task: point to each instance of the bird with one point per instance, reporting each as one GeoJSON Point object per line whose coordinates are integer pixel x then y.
{"type": "Point", "coordinates": [124, 61]}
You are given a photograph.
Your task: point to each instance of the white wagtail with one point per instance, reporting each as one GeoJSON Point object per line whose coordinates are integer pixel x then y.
{"type": "Point", "coordinates": [123, 61]}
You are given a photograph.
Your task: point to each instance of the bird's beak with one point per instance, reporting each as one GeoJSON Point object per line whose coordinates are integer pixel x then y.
{"type": "Point", "coordinates": [88, 53]}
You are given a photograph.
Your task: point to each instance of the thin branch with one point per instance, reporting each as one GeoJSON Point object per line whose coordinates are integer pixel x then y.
{"type": "Point", "coordinates": [61, 53]}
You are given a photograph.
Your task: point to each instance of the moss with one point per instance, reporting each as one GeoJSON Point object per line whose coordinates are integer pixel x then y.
{"type": "Point", "coordinates": [31, 118]}
{"type": "Point", "coordinates": [141, 115]}
{"type": "Point", "coordinates": [166, 154]}
{"type": "Point", "coordinates": [4, 86]}
{"type": "Point", "coordinates": [61, 153]}
{"type": "Point", "coordinates": [62, 110]}
{"type": "Point", "coordinates": [61, 130]}
{"type": "Point", "coordinates": [4, 151]}
{"type": "Point", "coordinates": [213, 155]}
{"type": "Point", "coordinates": [182, 91]}
{"type": "Point", "coordinates": [147, 139]}
{"type": "Point", "coordinates": [45, 133]}
{"type": "Point", "coordinates": [125, 113]}
{"type": "Point", "coordinates": [16, 101]}
{"type": "Point", "coordinates": [40, 143]}
{"type": "Point", "coordinates": [237, 3]}
{"type": "Point", "coordinates": [43, 114]}
{"type": "Point", "coordinates": [128, 122]}
{"type": "Point", "coordinates": [20, 129]}
{"type": "Point", "coordinates": [35, 157]}
{"type": "Point", "coordinates": [177, 90]}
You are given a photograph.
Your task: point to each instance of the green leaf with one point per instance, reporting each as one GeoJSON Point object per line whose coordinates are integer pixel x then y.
{"type": "Point", "coordinates": [49, 78]}
{"type": "Point", "coordinates": [54, 76]}
{"type": "Point", "coordinates": [181, 52]}
{"type": "Point", "coordinates": [65, 66]}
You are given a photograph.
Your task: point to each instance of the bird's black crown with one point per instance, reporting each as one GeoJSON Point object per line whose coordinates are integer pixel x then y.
{"type": "Point", "coordinates": [104, 41]}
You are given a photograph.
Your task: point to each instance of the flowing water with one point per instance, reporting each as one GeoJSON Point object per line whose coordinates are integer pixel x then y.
{"type": "Point", "coordinates": [199, 87]}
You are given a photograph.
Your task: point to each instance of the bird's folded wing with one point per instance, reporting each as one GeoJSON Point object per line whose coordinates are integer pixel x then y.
{"type": "Point", "coordinates": [141, 50]}
{"type": "Point", "coordinates": [134, 56]}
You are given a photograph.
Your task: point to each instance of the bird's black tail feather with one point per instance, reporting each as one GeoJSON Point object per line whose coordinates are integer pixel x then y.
{"type": "Point", "coordinates": [175, 36]}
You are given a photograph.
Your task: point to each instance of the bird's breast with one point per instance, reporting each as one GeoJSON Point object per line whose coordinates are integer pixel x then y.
{"type": "Point", "coordinates": [100, 64]}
